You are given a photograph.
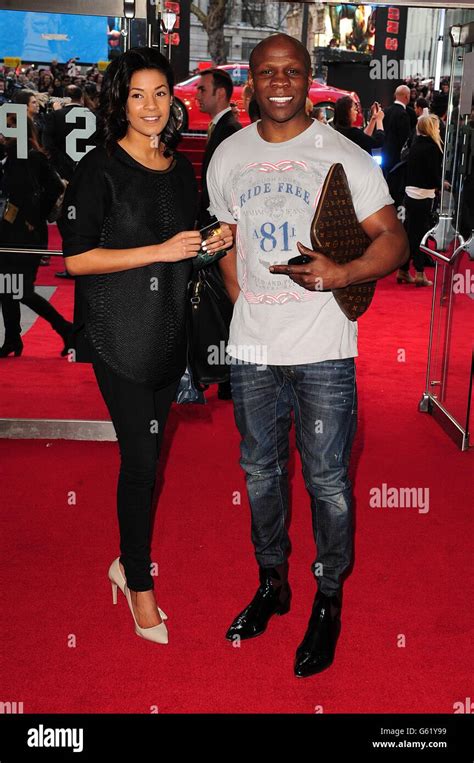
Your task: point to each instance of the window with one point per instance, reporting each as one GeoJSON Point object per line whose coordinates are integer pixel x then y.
{"type": "Point", "coordinates": [253, 13]}
{"type": "Point", "coordinates": [248, 44]}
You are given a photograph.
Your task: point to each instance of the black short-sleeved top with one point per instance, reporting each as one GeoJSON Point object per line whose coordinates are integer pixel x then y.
{"type": "Point", "coordinates": [134, 319]}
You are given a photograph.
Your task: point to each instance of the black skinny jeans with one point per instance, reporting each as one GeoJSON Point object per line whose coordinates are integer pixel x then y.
{"type": "Point", "coordinates": [417, 222]}
{"type": "Point", "coordinates": [139, 414]}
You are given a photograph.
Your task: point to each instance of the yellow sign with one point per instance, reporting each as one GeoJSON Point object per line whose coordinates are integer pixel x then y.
{"type": "Point", "coordinates": [11, 62]}
{"type": "Point", "coordinates": [102, 65]}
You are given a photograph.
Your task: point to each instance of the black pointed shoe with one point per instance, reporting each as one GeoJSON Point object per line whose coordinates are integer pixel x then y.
{"type": "Point", "coordinates": [316, 651]}
{"type": "Point", "coordinates": [272, 598]}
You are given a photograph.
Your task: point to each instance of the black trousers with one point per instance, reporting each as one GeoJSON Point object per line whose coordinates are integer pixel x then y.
{"type": "Point", "coordinates": [139, 414]}
{"type": "Point", "coordinates": [417, 222]}
{"type": "Point", "coordinates": [26, 265]}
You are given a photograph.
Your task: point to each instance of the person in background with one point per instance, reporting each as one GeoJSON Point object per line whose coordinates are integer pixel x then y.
{"type": "Point", "coordinates": [423, 180]}
{"type": "Point", "coordinates": [55, 134]}
{"type": "Point", "coordinates": [318, 113]}
{"type": "Point", "coordinates": [345, 117]}
{"type": "Point", "coordinates": [91, 96]}
{"type": "Point", "coordinates": [32, 189]}
{"type": "Point", "coordinates": [214, 92]}
{"type": "Point", "coordinates": [28, 97]}
{"type": "Point", "coordinates": [397, 125]}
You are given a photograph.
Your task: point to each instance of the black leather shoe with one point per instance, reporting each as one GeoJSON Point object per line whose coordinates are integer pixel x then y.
{"type": "Point", "coordinates": [272, 598]}
{"type": "Point", "coordinates": [316, 651]}
{"type": "Point", "coordinates": [66, 333]}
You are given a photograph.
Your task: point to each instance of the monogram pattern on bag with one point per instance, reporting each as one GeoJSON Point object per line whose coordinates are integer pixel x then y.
{"type": "Point", "coordinates": [336, 232]}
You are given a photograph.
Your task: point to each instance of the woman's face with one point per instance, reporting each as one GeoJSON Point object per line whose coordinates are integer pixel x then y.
{"type": "Point", "coordinates": [33, 106]}
{"type": "Point", "coordinates": [148, 103]}
{"type": "Point", "coordinates": [353, 112]}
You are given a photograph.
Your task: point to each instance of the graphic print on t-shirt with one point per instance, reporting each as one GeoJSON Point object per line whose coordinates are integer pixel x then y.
{"type": "Point", "coordinates": [270, 190]}
{"type": "Point", "coordinates": [275, 203]}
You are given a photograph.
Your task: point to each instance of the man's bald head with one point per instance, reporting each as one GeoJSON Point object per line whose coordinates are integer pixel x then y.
{"type": "Point", "coordinates": [402, 93]}
{"type": "Point", "coordinates": [280, 41]}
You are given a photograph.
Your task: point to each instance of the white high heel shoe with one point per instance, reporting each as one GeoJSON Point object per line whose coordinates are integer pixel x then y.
{"type": "Point", "coordinates": [117, 578]}
{"type": "Point", "coordinates": [158, 633]}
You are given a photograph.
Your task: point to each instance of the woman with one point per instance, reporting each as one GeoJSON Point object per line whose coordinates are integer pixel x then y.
{"type": "Point", "coordinates": [32, 103]}
{"type": "Point", "coordinates": [127, 227]}
{"type": "Point", "coordinates": [346, 112]}
{"type": "Point", "coordinates": [32, 188]}
{"type": "Point", "coordinates": [424, 166]}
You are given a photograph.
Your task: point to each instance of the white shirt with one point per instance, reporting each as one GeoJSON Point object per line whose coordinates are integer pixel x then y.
{"type": "Point", "coordinates": [400, 103]}
{"type": "Point", "coordinates": [271, 190]}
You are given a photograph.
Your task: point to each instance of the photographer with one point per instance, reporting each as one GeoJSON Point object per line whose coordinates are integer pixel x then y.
{"type": "Point", "coordinates": [346, 112]}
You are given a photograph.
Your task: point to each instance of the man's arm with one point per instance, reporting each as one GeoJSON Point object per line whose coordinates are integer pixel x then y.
{"type": "Point", "coordinates": [228, 268]}
{"type": "Point", "coordinates": [388, 251]}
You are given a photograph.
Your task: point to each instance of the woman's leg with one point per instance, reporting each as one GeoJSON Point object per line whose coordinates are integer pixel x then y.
{"type": "Point", "coordinates": [40, 305]}
{"type": "Point", "coordinates": [139, 415]}
{"type": "Point", "coordinates": [418, 222]}
{"type": "Point", "coordinates": [10, 306]}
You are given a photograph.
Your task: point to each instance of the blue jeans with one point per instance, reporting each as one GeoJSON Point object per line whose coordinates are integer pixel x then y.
{"type": "Point", "coordinates": [323, 397]}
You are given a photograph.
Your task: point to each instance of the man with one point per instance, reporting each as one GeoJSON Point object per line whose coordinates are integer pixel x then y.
{"type": "Point", "coordinates": [265, 179]}
{"type": "Point", "coordinates": [213, 97]}
{"type": "Point", "coordinates": [397, 126]}
{"type": "Point", "coordinates": [55, 134]}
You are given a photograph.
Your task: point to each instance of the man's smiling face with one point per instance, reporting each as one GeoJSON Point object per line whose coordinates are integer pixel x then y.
{"type": "Point", "coordinates": [280, 80]}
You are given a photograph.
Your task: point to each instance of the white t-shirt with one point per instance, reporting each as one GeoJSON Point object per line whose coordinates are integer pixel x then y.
{"type": "Point", "coordinates": [271, 190]}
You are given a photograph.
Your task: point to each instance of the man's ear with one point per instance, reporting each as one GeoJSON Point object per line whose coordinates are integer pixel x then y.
{"type": "Point", "coordinates": [250, 80]}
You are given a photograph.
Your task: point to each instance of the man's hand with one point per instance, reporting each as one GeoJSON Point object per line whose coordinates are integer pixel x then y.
{"type": "Point", "coordinates": [387, 252]}
{"type": "Point", "coordinates": [321, 274]}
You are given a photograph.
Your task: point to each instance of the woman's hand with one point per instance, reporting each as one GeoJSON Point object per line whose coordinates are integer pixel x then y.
{"type": "Point", "coordinates": [183, 246]}
{"type": "Point", "coordinates": [222, 239]}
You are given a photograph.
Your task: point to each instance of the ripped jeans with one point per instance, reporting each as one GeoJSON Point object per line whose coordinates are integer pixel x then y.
{"type": "Point", "coordinates": [323, 397]}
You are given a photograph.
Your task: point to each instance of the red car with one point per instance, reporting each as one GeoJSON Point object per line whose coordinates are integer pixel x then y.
{"type": "Point", "coordinates": [195, 120]}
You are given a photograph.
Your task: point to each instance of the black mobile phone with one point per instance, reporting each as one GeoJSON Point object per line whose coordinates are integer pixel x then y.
{"type": "Point", "coordinates": [301, 259]}
{"type": "Point", "coordinates": [213, 229]}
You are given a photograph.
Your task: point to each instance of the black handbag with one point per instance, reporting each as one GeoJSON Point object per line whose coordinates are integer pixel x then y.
{"type": "Point", "coordinates": [209, 316]}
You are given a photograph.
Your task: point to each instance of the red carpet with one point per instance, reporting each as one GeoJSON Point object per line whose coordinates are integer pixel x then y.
{"type": "Point", "coordinates": [67, 649]}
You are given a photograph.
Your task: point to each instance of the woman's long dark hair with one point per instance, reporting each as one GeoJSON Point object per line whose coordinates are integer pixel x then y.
{"type": "Point", "coordinates": [112, 124]}
{"type": "Point", "coordinates": [341, 112]}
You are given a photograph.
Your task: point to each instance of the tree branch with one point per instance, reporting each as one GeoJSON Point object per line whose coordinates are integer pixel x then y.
{"type": "Point", "coordinates": [200, 15]}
